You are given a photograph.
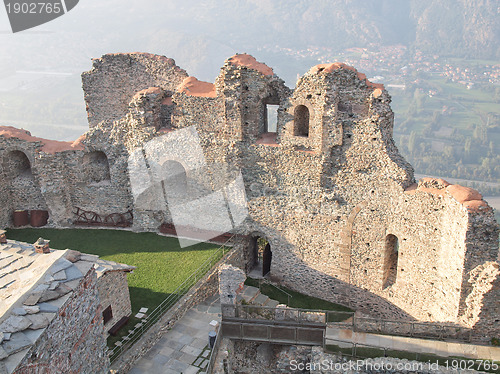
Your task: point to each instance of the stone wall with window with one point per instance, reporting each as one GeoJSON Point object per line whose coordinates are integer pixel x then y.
{"type": "Point", "coordinates": [114, 296]}
{"type": "Point", "coordinates": [74, 342]}
{"type": "Point", "coordinates": [329, 190]}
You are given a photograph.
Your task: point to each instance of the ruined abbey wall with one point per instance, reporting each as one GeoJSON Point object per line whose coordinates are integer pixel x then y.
{"type": "Point", "coordinates": [328, 188]}
{"type": "Point", "coordinates": [74, 342]}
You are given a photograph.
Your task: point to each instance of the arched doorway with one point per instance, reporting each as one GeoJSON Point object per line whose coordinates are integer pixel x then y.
{"type": "Point", "coordinates": [17, 165]}
{"type": "Point", "coordinates": [24, 192]}
{"type": "Point", "coordinates": [260, 256]}
{"type": "Point", "coordinates": [96, 166]}
{"type": "Point", "coordinates": [174, 180]}
{"type": "Point", "coordinates": [301, 121]}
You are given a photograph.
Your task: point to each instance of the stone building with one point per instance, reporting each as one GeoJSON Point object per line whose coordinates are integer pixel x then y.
{"type": "Point", "coordinates": [56, 308]}
{"type": "Point", "coordinates": [325, 184]}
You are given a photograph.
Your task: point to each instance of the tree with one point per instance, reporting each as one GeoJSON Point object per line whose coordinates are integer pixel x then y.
{"type": "Point", "coordinates": [412, 142]}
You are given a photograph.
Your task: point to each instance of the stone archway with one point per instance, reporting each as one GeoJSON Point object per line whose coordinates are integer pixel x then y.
{"type": "Point", "coordinates": [259, 256]}
{"type": "Point", "coordinates": [301, 121]}
{"type": "Point", "coordinates": [96, 167]}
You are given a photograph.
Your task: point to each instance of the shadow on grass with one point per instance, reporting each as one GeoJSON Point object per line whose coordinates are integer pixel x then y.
{"type": "Point", "coordinates": [104, 241]}
{"type": "Point", "coordinates": [299, 300]}
{"type": "Point", "coordinates": [140, 298]}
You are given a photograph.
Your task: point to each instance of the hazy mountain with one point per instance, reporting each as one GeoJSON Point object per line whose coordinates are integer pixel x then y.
{"type": "Point", "coordinates": [200, 34]}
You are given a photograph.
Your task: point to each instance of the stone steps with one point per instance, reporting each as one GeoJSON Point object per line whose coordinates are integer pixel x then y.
{"type": "Point", "coordinates": [252, 295]}
{"type": "Point", "coordinates": [249, 293]}
{"type": "Point", "coordinates": [261, 300]}
{"type": "Point", "coordinates": [272, 303]}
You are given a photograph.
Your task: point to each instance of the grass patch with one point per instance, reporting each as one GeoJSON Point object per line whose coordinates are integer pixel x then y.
{"type": "Point", "coordinates": [299, 300]}
{"type": "Point", "coordinates": [161, 264]}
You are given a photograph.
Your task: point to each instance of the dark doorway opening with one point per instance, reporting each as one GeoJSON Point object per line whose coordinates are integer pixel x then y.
{"type": "Point", "coordinates": [267, 256]}
{"type": "Point", "coordinates": [261, 257]}
{"type": "Point", "coordinates": [301, 121]}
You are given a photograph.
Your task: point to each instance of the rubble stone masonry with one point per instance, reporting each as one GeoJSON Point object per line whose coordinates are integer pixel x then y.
{"type": "Point", "coordinates": [339, 205]}
{"type": "Point", "coordinates": [74, 342]}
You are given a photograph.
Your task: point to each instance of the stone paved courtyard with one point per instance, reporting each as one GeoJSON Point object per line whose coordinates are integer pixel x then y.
{"type": "Point", "coordinates": [184, 349]}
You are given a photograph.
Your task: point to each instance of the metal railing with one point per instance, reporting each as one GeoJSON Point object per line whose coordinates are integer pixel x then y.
{"type": "Point", "coordinates": [276, 314]}
{"type": "Point", "coordinates": [359, 350]}
{"type": "Point", "coordinates": [412, 329]}
{"type": "Point", "coordinates": [271, 332]}
{"type": "Point", "coordinates": [213, 352]}
{"type": "Point", "coordinates": [153, 317]}
{"type": "Point", "coordinates": [264, 280]}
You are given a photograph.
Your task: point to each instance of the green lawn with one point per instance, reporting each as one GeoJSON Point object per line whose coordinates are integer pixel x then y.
{"type": "Point", "coordinates": [161, 264]}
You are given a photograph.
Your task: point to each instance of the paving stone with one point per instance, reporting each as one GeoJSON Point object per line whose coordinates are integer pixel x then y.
{"type": "Point", "coordinates": [176, 354]}
{"type": "Point", "coordinates": [177, 365]}
{"type": "Point", "coordinates": [191, 350]}
{"type": "Point", "coordinates": [199, 343]}
{"type": "Point", "coordinates": [187, 358]}
{"type": "Point", "coordinates": [167, 351]}
{"type": "Point", "coordinates": [176, 345]}
{"type": "Point", "coordinates": [161, 359]}
{"type": "Point", "coordinates": [186, 339]}
{"type": "Point", "coordinates": [198, 361]}
{"type": "Point", "coordinates": [191, 370]}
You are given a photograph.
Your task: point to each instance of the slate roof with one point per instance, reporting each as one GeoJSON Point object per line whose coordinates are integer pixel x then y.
{"type": "Point", "coordinates": [33, 286]}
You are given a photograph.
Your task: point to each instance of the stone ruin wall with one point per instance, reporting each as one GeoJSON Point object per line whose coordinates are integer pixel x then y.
{"type": "Point", "coordinates": [114, 292]}
{"type": "Point", "coordinates": [74, 342]}
{"type": "Point", "coordinates": [326, 202]}
{"type": "Point", "coordinates": [60, 181]}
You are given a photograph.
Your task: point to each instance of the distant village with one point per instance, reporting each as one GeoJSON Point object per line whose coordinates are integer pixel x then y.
{"type": "Point", "coordinates": [396, 64]}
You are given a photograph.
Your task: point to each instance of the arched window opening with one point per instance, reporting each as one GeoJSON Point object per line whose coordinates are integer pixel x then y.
{"type": "Point", "coordinates": [96, 167]}
{"type": "Point", "coordinates": [174, 179]}
{"type": "Point", "coordinates": [391, 260]}
{"type": "Point", "coordinates": [301, 121]}
{"type": "Point", "coordinates": [270, 107]}
{"type": "Point", "coordinates": [17, 164]}
{"type": "Point", "coordinates": [271, 118]}
{"type": "Point", "coordinates": [166, 111]}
